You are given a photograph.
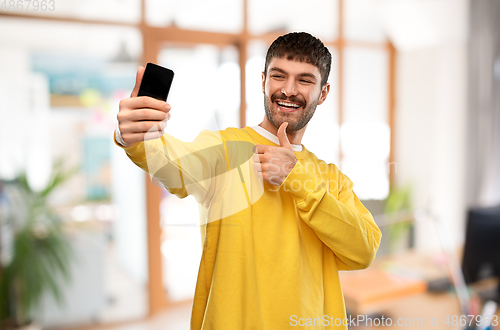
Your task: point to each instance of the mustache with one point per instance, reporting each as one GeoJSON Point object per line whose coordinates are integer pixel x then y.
{"type": "Point", "coordinates": [283, 97]}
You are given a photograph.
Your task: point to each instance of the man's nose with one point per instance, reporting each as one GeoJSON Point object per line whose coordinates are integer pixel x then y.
{"type": "Point", "coordinates": [289, 88]}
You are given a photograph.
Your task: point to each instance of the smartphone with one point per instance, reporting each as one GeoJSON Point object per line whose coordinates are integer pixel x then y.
{"type": "Point", "coordinates": [156, 82]}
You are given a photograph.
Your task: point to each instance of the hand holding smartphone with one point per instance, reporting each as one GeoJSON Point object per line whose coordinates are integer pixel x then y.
{"type": "Point", "coordinates": [156, 82]}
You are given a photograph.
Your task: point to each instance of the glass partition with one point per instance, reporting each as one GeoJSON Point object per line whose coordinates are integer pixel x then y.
{"type": "Point", "coordinates": [205, 94]}
{"type": "Point", "coordinates": [322, 133]}
{"type": "Point", "coordinates": [365, 133]}
{"type": "Point", "coordinates": [66, 96]}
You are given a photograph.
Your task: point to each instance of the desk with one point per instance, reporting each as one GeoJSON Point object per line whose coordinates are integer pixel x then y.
{"type": "Point", "coordinates": [417, 307]}
{"type": "Point", "coordinates": [388, 279]}
{"type": "Point", "coordinates": [421, 311]}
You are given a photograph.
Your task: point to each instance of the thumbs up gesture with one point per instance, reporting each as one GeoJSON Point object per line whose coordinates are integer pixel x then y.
{"type": "Point", "coordinates": [273, 164]}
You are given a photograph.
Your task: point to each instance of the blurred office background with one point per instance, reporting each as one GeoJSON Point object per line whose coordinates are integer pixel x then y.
{"type": "Point", "coordinates": [413, 113]}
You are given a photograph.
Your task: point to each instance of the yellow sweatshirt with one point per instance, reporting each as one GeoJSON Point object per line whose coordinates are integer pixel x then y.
{"type": "Point", "coordinates": [271, 255]}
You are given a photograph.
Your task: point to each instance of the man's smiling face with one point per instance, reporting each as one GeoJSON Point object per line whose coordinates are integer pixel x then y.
{"type": "Point", "coordinates": [292, 90]}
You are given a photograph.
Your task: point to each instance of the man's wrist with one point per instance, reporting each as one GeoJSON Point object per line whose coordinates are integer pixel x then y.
{"type": "Point", "coordinates": [119, 139]}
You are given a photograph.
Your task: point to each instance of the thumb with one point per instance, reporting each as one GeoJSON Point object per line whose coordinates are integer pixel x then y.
{"type": "Point", "coordinates": [283, 138]}
{"type": "Point", "coordinates": [138, 80]}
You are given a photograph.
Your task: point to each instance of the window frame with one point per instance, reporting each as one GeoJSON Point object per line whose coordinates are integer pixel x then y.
{"type": "Point", "coordinates": [154, 37]}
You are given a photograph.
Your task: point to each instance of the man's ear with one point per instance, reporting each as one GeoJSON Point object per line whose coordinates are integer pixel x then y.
{"type": "Point", "coordinates": [263, 82]}
{"type": "Point", "coordinates": [324, 92]}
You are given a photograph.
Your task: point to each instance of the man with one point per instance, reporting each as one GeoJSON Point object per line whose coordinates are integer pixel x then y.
{"type": "Point", "coordinates": [277, 223]}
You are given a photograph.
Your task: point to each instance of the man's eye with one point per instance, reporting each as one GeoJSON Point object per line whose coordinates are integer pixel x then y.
{"type": "Point", "coordinates": [277, 76]}
{"type": "Point", "coordinates": [306, 81]}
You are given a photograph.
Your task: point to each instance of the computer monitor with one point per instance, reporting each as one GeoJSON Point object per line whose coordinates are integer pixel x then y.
{"type": "Point", "coordinates": [481, 257]}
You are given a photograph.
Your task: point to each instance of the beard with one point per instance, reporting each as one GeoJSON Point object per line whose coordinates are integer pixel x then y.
{"type": "Point", "coordinates": [277, 117]}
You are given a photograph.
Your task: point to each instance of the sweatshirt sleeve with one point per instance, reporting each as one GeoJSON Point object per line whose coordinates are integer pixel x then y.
{"type": "Point", "coordinates": [183, 168]}
{"type": "Point", "coordinates": [335, 213]}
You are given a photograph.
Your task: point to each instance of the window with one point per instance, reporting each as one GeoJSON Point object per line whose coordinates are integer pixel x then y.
{"type": "Point", "coordinates": [218, 55]}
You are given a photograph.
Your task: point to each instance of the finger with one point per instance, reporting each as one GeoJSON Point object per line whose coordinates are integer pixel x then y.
{"type": "Point", "coordinates": [258, 158]}
{"type": "Point", "coordinates": [148, 102]}
{"type": "Point", "coordinates": [138, 80]}
{"type": "Point", "coordinates": [257, 167]}
{"type": "Point", "coordinates": [139, 126]}
{"type": "Point", "coordinates": [260, 148]}
{"type": "Point", "coordinates": [146, 115]}
{"type": "Point", "coordinates": [262, 158]}
{"type": "Point", "coordinates": [164, 123]}
{"type": "Point", "coordinates": [154, 132]}
{"type": "Point", "coordinates": [161, 126]}
{"type": "Point", "coordinates": [131, 138]}
{"type": "Point", "coordinates": [282, 137]}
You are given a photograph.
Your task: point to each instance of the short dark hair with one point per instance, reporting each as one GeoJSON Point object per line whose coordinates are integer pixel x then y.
{"type": "Point", "coordinates": [301, 46]}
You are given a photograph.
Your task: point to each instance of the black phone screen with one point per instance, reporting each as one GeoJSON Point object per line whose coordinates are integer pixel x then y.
{"type": "Point", "coordinates": [156, 82]}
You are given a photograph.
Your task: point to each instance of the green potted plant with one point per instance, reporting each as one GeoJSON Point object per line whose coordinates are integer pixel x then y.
{"type": "Point", "coordinates": [39, 253]}
{"type": "Point", "coordinates": [398, 205]}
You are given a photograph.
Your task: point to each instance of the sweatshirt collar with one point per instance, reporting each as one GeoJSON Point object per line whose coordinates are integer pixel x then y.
{"type": "Point", "coordinates": [264, 140]}
{"type": "Point", "coordinates": [273, 138]}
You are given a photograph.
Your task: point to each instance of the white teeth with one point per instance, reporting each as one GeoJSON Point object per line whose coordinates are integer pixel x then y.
{"type": "Point", "coordinates": [290, 105]}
